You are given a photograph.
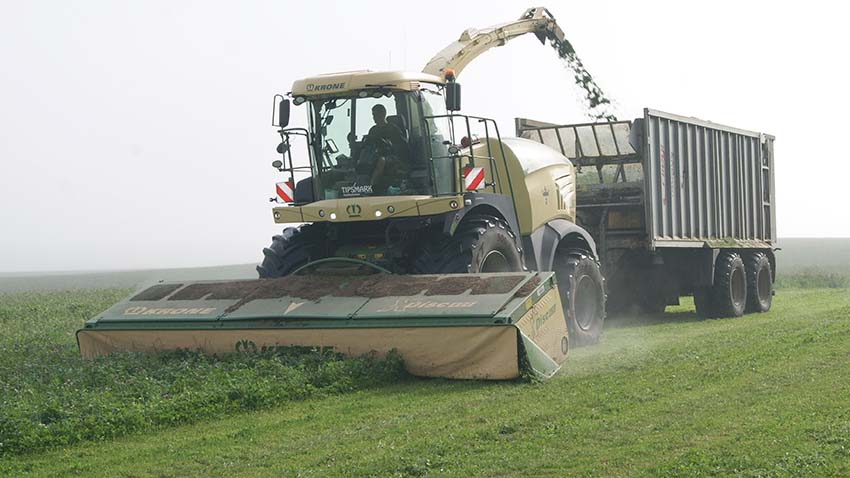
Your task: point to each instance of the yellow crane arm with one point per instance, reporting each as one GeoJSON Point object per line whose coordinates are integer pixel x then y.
{"type": "Point", "coordinates": [474, 42]}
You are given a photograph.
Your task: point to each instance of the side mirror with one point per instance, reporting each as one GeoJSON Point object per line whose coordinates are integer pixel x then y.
{"type": "Point", "coordinates": [277, 164]}
{"type": "Point", "coordinates": [452, 96]}
{"type": "Point", "coordinates": [283, 113]}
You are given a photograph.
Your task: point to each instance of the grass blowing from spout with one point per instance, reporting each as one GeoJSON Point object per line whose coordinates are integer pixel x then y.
{"type": "Point", "coordinates": [597, 103]}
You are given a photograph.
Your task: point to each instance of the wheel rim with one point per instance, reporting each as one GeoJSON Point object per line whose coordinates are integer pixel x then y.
{"type": "Point", "coordinates": [763, 284]}
{"type": "Point", "coordinates": [495, 261]}
{"type": "Point", "coordinates": [739, 286]}
{"type": "Point", "coordinates": [586, 302]}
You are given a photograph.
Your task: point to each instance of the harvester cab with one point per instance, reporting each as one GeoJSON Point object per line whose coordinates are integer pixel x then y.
{"type": "Point", "coordinates": [371, 134]}
{"type": "Point", "coordinates": [390, 177]}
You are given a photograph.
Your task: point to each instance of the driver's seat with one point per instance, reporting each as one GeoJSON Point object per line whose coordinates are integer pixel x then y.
{"type": "Point", "coordinates": [398, 122]}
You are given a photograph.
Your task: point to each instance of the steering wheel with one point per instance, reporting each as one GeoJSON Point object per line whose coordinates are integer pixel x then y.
{"type": "Point", "coordinates": [372, 150]}
{"type": "Point", "coordinates": [367, 166]}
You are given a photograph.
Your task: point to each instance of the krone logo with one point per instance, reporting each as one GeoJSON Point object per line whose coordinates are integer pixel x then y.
{"type": "Point", "coordinates": [246, 346]}
{"type": "Point", "coordinates": [324, 87]}
{"type": "Point", "coordinates": [353, 210]}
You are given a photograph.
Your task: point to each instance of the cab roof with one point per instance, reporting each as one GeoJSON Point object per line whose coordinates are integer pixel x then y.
{"type": "Point", "coordinates": [349, 81]}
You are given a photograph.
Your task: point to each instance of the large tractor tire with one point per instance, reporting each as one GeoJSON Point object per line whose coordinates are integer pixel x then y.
{"type": "Point", "coordinates": [291, 249]}
{"type": "Point", "coordinates": [582, 290]}
{"type": "Point", "coordinates": [481, 243]}
{"type": "Point", "coordinates": [728, 296]}
{"type": "Point", "coordinates": [759, 282]}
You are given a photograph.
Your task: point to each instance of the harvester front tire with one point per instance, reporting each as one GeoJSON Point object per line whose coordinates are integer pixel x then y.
{"type": "Point", "coordinates": [728, 296]}
{"type": "Point", "coordinates": [288, 251]}
{"type": "Point", "coordinates": [481, 243]}
{"type": "Point", "coordinates": [759, 282]}
{"type": "Point", "coordinates": [582, 290]}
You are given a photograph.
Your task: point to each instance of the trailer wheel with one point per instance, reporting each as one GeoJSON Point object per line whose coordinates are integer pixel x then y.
{"type": "Point", "coordinates": [582, 290]}
{"type": "Point", "coordinates": [288, 251]}
{"type": "Point", "coordinates": [759, 283]}
{"type": "Point", "coordinates": [481, 243]}
{"type": "Point", "coordinates": [728, 296]}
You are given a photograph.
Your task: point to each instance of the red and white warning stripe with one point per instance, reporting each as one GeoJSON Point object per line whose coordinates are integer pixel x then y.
{"type": "Point", "coordinates": [284, 191]}
{"type": "Point", "coordinates": [473, 178]}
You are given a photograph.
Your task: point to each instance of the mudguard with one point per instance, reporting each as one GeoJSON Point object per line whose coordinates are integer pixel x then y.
{"type": "Point", "coordinates": [545, 240]}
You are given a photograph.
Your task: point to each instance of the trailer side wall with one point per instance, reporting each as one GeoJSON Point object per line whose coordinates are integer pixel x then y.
{"type": "Point", "coordinates": [706, 184]}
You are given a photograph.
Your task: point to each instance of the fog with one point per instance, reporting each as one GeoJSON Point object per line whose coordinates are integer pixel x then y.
{"type": "Point", "coordinates": [138, 135]}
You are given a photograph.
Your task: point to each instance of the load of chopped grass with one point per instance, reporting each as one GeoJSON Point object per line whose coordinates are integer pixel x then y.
{"type": "Point", "coordinates": [50, 396]}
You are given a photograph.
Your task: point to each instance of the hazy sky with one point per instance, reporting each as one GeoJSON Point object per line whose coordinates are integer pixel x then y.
{"type": "Point", "coordinates": [137, 134]}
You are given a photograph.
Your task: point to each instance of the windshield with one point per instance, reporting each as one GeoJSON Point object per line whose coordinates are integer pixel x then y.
{"type": "Point", "coordinates": [378, 145]}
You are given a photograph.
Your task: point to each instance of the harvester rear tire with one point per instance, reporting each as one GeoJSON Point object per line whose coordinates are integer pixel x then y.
{"type": "Point", "coordinates": [481, 243]}
{"type": "Point", "coordinates": [759, 282]}
{"type": "Point", "coordinates": [582, 290]}
{"type": "Point", "coordinates": [728, 296]}
{"type": "Point", "coordinates": [288, 251]}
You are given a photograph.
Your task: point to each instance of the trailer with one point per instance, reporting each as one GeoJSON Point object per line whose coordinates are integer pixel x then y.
{"type": "Point", "coordinates": [677, 206]}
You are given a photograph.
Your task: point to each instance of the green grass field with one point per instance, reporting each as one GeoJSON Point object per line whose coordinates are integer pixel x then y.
{"type": "Point", "coordinates": [766, 395]}
{"type": "Point", "coordinates": [762, 395]}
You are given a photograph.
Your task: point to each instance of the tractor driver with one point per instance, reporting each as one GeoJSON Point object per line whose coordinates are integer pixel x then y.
{"type": "Point", "coordinates": [387, 140]}
{"type": "Point", "coordinates": [382, 129]}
